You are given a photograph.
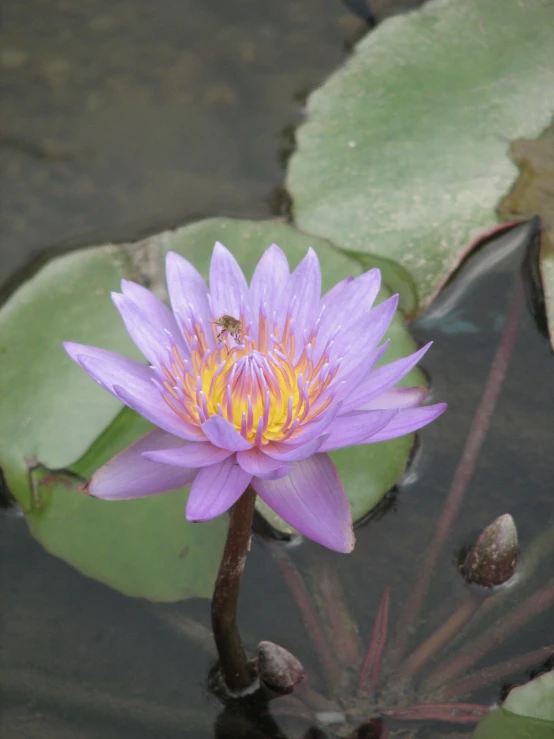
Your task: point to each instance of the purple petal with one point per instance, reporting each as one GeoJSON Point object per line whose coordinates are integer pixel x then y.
{"type": "Point", "coordinates": [146, 400]}
{"type": "Point", "coordinates": [357, 375]}
{"type": "Point", "coordinates": [304, 292]}
{"type": "Point", "coordinates": [314, 429]}
{"type": "Point", "coordinates": [228, 288]}
{"type": "Point", "coordinates": [216, 489]}
{"type": "Point", "coordinates": [336, 290]}
{"type": "Point", "coordinates": [356, 428]}
{"type": "Point", "coordinates": [109, 368]}
{"type": "Point", "coordinates": [158, 313]}
{"type": "Point", "coordinates": [363, 336]}
{"type": "Point", "coordinates": [398, 397]}
{"type": "Point", "coordinates": [199, 454]}
{"type": "Point", "coordinates": [409, 420]}
{"type": "Point", "coordinates": [292, 453]}
{"type": "Point", "coordinates": [312, 500]}
{"type": "Point", "coordinates": [382, 379]}
{"type": "Point", "coordinates": [257, 464]}
{"type": "Point", "coordinates": [139, 391]}
{"type": "Point", "coordinates": [347, 305]}
{"type": "Point", "coordinates": [269, 281]}
{"type": "Point", "coordinates": [130, 475]}
{"type": "Point", "coordinates": [151, 339]}
{"type": "Point", "coordinates": [188, 290]}
{"type": "Point", "coordinates": [223, 434]}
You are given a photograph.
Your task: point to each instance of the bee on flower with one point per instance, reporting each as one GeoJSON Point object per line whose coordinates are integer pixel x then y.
{"type": "Point", "coordinates": [229, 325]}
{"type": "Point", "coordinates": [297, 384]}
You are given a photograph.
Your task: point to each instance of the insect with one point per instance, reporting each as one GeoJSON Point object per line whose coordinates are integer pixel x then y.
{"type": "Point", "coordinates": [229, 325]}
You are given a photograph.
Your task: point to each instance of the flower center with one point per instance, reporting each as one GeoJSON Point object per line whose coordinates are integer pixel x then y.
{"type": "Point", "coordinates": [260, 386]}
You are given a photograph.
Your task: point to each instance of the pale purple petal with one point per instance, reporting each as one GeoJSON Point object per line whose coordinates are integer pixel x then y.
{"type": "Point", "coordinates": [130, 475]}
{"type": "Point", "coordinates": [228, 288]}
{"type": "Point", "coordinates": [315, 428]}
{"type": "Point", "coordinates": [398, 397]}
{"type": "Point", "coordinates": [303, 293]}
{"type": "Point", "coordinates": [216, 489]}
{"type": "Point", "coordinates": [137, 390]}
{"type": "Point", "coordinates": [158, 313]}
{"type": "Point", "coordinates": [357, 375]}
{"type": "Point", "coordinates": [223, 434]}
{"type": "Point", "coordinates": [109, 368]}
{"type": "Point", "coordinates": [151, 339]}
{"type": "Point", "coordinates": [188, 291]}
{"type": "Point", "coordinates": [269, 282]}
{"type": "Point", "coordinates": [294, 452]}
{"type": "Point", "coordinates": [382, 379]}
{"type": "Point", "coordinates": [409, 420]}
{"type": "Point", "coordinates": [356, 428]}
{"type": "Point", "coordinates": [196, 454]}
{"type": "Point", "coordinates": [259, 465]}
{"type": "Point", "coordinates": [356, 342]}
{"type": "Point", "coordinates": [336, 290]}
{"type": "Point", "coordinates": [146, 400]}
{"type": "Point", "coordinates": [349, 304]}
{"type": "Point", "coordinates": [311, 499]}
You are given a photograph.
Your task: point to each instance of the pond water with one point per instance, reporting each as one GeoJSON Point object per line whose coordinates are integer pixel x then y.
{"type": "Point", "coordinates": [132, 122]}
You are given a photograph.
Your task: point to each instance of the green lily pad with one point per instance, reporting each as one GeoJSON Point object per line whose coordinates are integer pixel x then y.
{"type": "Point", "coordinates": [404, 153]}
{"type": "Point", "coordinates": [57, 426]}
{"type": "Point", "coordinates": [533, 194]}
{"type": "Point", "coordinates": [534, 699]}
{"type": "Point", "coordinates": [143, 547]}
{"type": "Point", "coordinates": [50, 411]}
{"type": "Point", "coordinates": [527, 713]}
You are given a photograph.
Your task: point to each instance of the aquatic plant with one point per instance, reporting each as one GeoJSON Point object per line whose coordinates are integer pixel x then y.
{"type": "Point", "coordinates": [250, 387]}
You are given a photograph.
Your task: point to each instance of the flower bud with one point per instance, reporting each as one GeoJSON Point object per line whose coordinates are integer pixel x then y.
{"type": "Point", "coordinates": [492, 561]}
{"type": "Point", "coordinates": [278, 669]}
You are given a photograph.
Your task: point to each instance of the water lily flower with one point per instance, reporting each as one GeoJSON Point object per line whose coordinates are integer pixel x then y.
{"type": "Point", "coordinates": [254, 385]}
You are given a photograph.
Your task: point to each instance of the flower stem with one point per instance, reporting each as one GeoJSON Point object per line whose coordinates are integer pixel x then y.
{"type": "Point", "coordinates": [234, 664]}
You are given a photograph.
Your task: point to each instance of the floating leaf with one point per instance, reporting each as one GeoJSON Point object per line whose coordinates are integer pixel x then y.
{"type": "Point", "coordinates": [50, 411]}
{"type": "Point", "coordinates": [404, 152]}
{"type": "Point", "coordinates": [527, 713]}
{"type": "Point", "coordinates": [143, 547]}
{"type": "Point", "coordinates": [533, 194]}
{"type": "Point", "coordinates": [534, 699]}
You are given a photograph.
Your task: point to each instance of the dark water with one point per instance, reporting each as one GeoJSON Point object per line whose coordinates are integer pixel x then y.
{"type": "Point", "coordinates": [128, 132]}
{"type": "Point", "coordinates": [124, 117]}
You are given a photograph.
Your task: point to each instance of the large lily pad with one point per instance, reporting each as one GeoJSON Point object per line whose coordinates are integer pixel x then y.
{"type": "Point", "coordinates": [57, 426]}
{"type": "Point", "coordinates": [405, 150]}
{"type": "Point", "coordinates": [527, 713]}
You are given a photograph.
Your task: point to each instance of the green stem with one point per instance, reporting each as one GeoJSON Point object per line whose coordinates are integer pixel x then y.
{"type": "Point", "coordinates": [237, 674]}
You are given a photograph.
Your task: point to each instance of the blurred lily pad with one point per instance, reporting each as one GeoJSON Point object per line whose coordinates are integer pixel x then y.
{"type": "Point", "coordinates": [404, 153]}
{"type": "Point", "coordinates": [534, 699]}
{"type": "Point", "coordinates": [57, 426]}
{"type": "Point", "coordinates": [527, 713]}
{"type": "Point", "coordinates": [533, 194]}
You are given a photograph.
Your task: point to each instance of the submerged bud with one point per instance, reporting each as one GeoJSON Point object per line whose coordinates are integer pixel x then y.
{"type": "Point", "coordinates": [492, 561]}
{"type": "Point", "coordinates": [278, 669]}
